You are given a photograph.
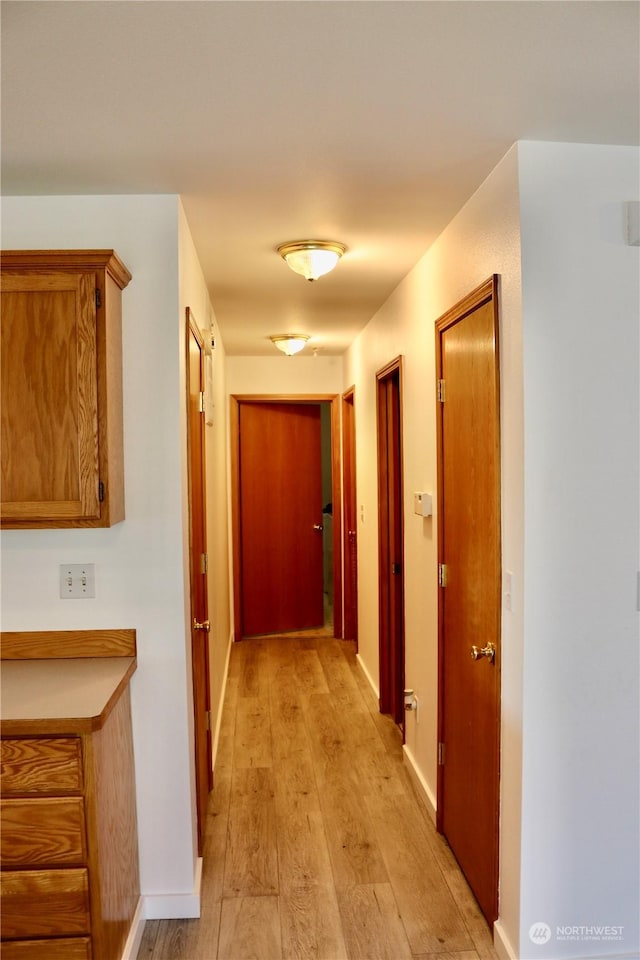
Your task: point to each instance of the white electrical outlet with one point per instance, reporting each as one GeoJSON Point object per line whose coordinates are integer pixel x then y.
{"type": "Point", "coordinates": [77, 581]}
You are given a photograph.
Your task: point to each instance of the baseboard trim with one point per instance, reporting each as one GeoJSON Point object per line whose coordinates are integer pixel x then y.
{"type": "Point", "coordinates": [502, 944]}
{"type": "Point", "coordinates": [134, 939]}
{"type": "Point", "coordinates": [368, 676]}
{"type": "Point", "coordinates": [218, 723]}
{"type": "Point", "coordinates": [420, 785]}
{"type": "Point", "coordinates": [175, 906]}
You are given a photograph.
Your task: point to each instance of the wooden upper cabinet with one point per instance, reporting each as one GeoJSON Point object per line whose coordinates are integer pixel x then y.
{"type": "Point", "coordinates": [61, 388]}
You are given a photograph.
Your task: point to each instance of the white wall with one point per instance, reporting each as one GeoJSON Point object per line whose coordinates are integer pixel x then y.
{"type": "Point", "coordinates": [139, 563]}
{"type": "Point", "coordinates": [194, 294]}
{"type": "Point", "coordinates": [580, 284]}
{"type": "Point", "coordinates": [283, 375]}
{"type": "Point", "coordinates": [481, 240]}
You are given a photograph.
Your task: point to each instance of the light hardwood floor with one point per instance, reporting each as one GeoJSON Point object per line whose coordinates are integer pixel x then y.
{"type": "Point", "coordinates": [316, 846]}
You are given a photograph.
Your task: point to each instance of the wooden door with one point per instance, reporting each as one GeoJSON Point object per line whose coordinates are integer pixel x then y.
{"type": "Point", "coordinates": [198, 566]}
{"type": "Point", "coordinates": [391, 547]}
{"type": "Point", "coordinates": [280, 508]}
{"type": "Point", "coordinates": [469, 606]}
{"type": "Point", "coordinates": [350, 517]}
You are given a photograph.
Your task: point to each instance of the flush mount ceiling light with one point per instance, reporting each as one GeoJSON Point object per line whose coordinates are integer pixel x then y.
{"type": "Point", "coordinates": [290, 343]}
{"type": "Point", "coordinates": [311, 258]}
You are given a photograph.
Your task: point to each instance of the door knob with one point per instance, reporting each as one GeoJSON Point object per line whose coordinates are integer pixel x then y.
{"type": "Point", "coordinates": [205, 625]}
{"type": "Point", "coordinates": [477, 653]}
{"type": "Point", "coordinates": [318, 526]}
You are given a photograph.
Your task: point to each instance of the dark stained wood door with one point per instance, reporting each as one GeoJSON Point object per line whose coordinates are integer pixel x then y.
{"type": "Point", "coordinates": [350, 517]}
{"type": "Point", "coordinates": [200, 628]}
{"type": "Point", "coordinates": [280, 483]}
{"type": "Point", "coordinates": [469, 544]}
{"type": "Point", "coordinates": [390, 539]}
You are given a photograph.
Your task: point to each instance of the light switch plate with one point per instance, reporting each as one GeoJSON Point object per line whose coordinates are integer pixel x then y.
{"type": "Point", "coordinates": [77, 581]}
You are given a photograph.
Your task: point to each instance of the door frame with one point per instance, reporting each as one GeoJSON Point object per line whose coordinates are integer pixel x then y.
{"type": "Point", "coordinates": [198, 603]}
{"type": "Point", "coordinates": [386, 653]}
{"type": "Point", "coordinates": [486, 292]}
{"type": "Point", "coordinates": [236, 400]}
{"type": "Point", "coordinates": [350, 535]}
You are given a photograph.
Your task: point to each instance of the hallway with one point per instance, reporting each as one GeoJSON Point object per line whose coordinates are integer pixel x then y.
{"type": "Point", "coordinates": [316, 846]}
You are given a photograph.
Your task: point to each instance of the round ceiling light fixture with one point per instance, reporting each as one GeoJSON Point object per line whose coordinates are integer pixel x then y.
{"type": "Point", "coordinates": [290, 343]}
{"type": "Point", "coordinates": [311, 258]}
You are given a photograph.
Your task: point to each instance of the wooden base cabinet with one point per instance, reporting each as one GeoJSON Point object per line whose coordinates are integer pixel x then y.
{"type": "Point", "coordinates": [61, 446]}
{"type": "Point", "coordinates": [69, 850]}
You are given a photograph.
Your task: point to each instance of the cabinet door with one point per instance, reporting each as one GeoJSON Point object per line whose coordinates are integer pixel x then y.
{"type": "Point", "coordinates": [49, 441]}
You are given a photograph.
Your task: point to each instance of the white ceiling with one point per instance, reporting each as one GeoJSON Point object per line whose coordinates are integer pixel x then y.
{"type": "Point", "coordinates": [366, 122]}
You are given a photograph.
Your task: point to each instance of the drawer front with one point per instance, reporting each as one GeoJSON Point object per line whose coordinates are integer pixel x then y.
{"type": "Point", "coordinates": [66, 948]}
{"type": "Point", "coordinates": [41, 766]}
{"type": "Point", "coordinates": [44, 903]}
{"type": "Point", "coordinates": [42, 831]}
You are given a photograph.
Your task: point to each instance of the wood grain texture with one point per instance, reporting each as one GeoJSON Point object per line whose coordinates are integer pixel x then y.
{"type": "Point", "coordinates": [49, 398]}
{"type": "Point", "coordinates": [42, 832]}
{"type": "Point", "coordinates": [251, 865]}
{"type": "Point", "coordinates": [372, 926]}
{"type": "Point", "coordinates": [62, 430]}
{"type": "Point", "coordinates": [53, 644]}
{"type": "Point", "coordinates": [78, 260]}
{"type": "Point", "coordinates": [111, 815]}
{"type": "Point", "coordinates": [39, 766]}
{"type": "Point", "coordinates": [253, 733]}
{"type": "Point", "coordinates": [64, 948]}
{"type": "Point", "coordinates": [62, 897]}
{"type": "Point", "coordinates": [250, 929]}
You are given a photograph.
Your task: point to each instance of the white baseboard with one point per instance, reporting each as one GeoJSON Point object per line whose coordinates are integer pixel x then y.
{"type": "Point", "coordinates": [368, 676]}
{"type": "Point", "coordinates": [420, 784]}
{"type": "Point", "coordinates": [175, 906]}
{"type": "Point", "coordinates": [502, 944]}
{"type": "Point", "coordinates": [131, 947]}
{"type": "Point", "coordinates": [218, 723]}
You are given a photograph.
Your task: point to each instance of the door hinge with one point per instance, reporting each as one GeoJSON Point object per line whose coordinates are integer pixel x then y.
{"type": "Point", "coordinates": [442, 574]}
{"type": "Point", "coordinates": [98, 298]}
{"type": "Point", "coordinates": [441, 754]}
{"type": "Point", "coordinates": [208, 719]}
{"type": "Point", "coordinates": [396, 569]}
{"type": "Point", "coordinates": [100, 491]}
{"type": "Point", "coordinates": [204, 563]}
{"type": "Point", "coordinates": [201, 402]}
{"type": "Point", "coordinates": [440, 391]}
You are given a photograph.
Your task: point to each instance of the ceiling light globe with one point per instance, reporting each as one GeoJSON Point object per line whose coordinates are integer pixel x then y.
{"type": "Point", "coordinates": [311, 258]}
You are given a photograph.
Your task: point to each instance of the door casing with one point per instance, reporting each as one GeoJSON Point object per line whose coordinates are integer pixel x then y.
{"type": "Point", "coordinates": [198, 577]}
{"type": "Point", "coordinates": [391, 540]}
{"type": "Point", "coordinates": [236, 400]}
{"type": "Point", "coordinates": [350, 517]}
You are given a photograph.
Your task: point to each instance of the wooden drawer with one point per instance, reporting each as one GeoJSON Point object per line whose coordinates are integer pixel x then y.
{"type": "Point", "coordinates": [66, 948]}
{"type": "Point", "coordinates": [42, 831]}
{"type": "Point", "coordinates": [41, 766]}
{"type": "Point", "coordinates": [44, 903]}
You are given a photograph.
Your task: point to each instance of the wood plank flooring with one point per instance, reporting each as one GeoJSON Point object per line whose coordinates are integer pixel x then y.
{"type": "Point", "coordinates": [316, 847]}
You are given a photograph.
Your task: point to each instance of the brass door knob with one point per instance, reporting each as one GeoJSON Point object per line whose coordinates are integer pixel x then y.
{"type": "Point", "coordinates": [477, 653]}
{"type": "Point", "coordinates": [205, 625]}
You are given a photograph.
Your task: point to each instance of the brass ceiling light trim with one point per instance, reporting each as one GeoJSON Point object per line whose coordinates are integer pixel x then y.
{"type": "Point", "coordinates": [311, 258]}
{"type": "Point", "coordinates": [290, 343]}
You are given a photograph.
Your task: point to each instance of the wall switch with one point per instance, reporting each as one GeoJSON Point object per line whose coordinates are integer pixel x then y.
{"type": "Point", "coordinates": [77, 581]}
